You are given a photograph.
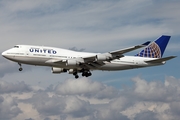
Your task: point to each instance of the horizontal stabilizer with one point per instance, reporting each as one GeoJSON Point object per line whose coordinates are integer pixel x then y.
{"type": "Point", "coordinates": [160, 60]}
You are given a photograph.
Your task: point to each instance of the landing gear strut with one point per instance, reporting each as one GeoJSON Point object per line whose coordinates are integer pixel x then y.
{"type": "Point", "coordinates": [20, 69]}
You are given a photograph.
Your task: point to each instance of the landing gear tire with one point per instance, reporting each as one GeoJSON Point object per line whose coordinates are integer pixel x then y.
{"type": "Point", "coordinates": [20, 69]}
{"type": "Point", "coordinates": [76, 76]}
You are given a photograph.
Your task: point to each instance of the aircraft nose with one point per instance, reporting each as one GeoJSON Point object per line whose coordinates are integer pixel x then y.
{"type": "Point", "coordinates": [4, 54]}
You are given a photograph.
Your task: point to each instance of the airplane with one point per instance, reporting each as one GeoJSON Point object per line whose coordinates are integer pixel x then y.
{"type": "Point", "coordinates": [74, 62]}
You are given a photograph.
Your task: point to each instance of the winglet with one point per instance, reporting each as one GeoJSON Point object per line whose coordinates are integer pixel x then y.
{"type": "Point", "coordinates": [146, 43]}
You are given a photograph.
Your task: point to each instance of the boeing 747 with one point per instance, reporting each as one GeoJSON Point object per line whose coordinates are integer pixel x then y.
{"type": "Point", "coordinates": [74, 62]}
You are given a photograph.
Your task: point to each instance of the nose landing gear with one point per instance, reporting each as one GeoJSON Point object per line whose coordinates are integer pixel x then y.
{"type": "Point", "coordinates": [20, 69]}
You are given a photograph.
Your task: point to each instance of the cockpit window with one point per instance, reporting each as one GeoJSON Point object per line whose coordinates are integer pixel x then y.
{"type": "Point", "coordinates": [16, 46]}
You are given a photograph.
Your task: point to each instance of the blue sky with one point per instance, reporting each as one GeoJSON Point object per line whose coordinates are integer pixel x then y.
{"type": "Point", "coordinates": [95, 26]}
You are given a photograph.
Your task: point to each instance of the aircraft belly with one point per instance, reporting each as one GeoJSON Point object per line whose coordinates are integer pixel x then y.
{"type": "Point", "coordinates": [115, 66]}
{"type": "Point", "coordinates": [41, 61]}
{"type": "Point", "coordinates": [30, 60]}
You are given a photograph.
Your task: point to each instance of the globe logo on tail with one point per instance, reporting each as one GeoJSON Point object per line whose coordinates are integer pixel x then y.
{"type": "Point", "coordinates": [152, 51]}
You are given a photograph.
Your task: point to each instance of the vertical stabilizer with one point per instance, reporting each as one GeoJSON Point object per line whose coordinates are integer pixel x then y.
{"type": "Point", "coordinates": [155, 49]}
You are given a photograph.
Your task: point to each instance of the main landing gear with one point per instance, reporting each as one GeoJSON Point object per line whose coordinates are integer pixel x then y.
{"type": "Point", "coordinates": [20, 69]}
{"type": "Point", "coordinates": [85, 73]}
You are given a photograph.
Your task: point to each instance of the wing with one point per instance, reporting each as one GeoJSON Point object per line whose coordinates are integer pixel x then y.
{"type": "Point", "coordinates": [113, 54]}
{"type": "Point", "coordinates": [98, 59]}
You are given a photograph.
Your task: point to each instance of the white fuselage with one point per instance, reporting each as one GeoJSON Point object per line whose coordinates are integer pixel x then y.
{"type": "Point", "coordinates": [41, 55]}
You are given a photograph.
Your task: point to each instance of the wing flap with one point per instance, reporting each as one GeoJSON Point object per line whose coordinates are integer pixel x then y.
{"type": "Point", "coordinates": [160, 60]}
{"type": "Point", "coordinates": [92, 65]}
{"type": "Point", "coordinates": [89, 58]}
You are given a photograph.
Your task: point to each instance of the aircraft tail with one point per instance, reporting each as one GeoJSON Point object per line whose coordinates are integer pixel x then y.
{"type": "Point", "coordinates": [155, 49]}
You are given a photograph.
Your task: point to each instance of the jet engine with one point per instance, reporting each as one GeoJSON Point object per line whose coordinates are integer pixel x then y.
{"type": "Point", "coordinates": [58, 70]}
{"type": "Point", "coordinates": [71, 62]}
{"type": "Point", "coordinates": [104, 57]}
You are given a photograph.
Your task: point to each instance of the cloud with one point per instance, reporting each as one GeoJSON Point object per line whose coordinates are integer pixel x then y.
{"type": "Point", "coordinates": [164, 91]}
{"type": "Point", "coordinates": [148, 115]}
{"type": "Point", "coordinates": [92, 100]}
{"type": "Point", "coordinates": [6, 87]}
{"type": "Point", "coordinates": [61, 106]}
{"type": "Point", "coordinates": [8, 108]}
{"type": "Point", "coordinates": [107, 114]}
{"type": "Point", "coordinates": [87, 88]}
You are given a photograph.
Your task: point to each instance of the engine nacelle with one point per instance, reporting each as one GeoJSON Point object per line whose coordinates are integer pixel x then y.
{"type": "Point", "coordinates": [103, 57]}
{"type": "Point", "coordinates": [58, 70]}
{"type": "Point", "coordinates": [71, 62]}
